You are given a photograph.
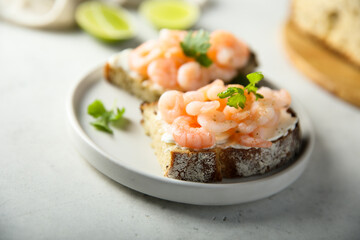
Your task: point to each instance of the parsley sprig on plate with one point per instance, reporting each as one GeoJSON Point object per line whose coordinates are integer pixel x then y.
{"type": "Point", "coordinates": [104, 117]}
{"type": "Point", "coordinates": [236, 96]}
{"type": "Point", "coordinates": [196, 45]}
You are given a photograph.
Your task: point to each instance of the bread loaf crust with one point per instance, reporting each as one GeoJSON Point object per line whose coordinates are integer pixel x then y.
{"type": "Point", "coordinates": [334, 23]}
{"type": "Point", "coordinates": [212, 165]}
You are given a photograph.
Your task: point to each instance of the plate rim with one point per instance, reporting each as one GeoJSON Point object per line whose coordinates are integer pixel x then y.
{"type": "Point", "coordinates": [75, 125]}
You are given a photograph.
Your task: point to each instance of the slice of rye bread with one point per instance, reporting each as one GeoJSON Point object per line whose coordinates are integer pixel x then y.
{"type": "Point", "coordinates": [144, 89]}
{"type": "Point", "coordinates": [211, 165]}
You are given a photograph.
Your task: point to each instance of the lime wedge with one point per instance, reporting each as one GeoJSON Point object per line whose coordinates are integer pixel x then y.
{"type": "Point", "coordinates": [173, 14]}
{"type": "Point", "coordinates": [103, 21]}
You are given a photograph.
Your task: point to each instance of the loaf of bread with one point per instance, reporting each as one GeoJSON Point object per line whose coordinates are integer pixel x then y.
{"type": "Point", "coordinates": [336, 23]}
{"type": "Point", "coordinates": [221, 161]}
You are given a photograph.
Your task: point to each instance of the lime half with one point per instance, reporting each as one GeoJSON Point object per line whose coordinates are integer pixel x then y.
{"type": "Point", "coordinates": [103, 21]}
{"type": "Point", "coordinates": [173, 14]}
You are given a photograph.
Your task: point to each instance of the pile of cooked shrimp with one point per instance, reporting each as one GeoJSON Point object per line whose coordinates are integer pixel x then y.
{"type": "Point", "coordinates": [198, 119]}
{"type": "Point", "coordinates": [163, 61]}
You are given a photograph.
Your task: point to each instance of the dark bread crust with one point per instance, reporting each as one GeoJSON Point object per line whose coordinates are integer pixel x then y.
{"type": "Point", "coordinates": [186, 165]}
{"type": "Point", "coordinates": [254, 159]}
{"type": "Point", "coordinates": [211, 165]}
{"type": "Point", "coordinates": [147, 92]}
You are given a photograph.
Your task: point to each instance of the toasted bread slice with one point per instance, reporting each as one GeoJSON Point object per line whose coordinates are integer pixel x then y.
{"type": "Point", "coordinates": [211, 165]}
{"type": "Point", "coordinates": [145, 89]}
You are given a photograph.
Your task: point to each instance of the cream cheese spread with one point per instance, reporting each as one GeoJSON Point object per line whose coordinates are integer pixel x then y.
{"type": "Point", "coordinates": [121, 59]}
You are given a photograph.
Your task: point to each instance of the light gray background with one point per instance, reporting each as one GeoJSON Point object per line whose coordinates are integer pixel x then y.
{"type": "Point", "coordinates": [47, 191]}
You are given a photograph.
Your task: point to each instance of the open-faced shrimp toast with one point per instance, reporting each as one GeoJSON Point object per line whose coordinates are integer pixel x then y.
{"type": "Point", "coordinates": [179, 60]}
{"type": "Point", "coordinates": [197, 136]}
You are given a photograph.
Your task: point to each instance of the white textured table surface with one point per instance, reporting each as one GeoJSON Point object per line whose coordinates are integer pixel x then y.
{"type": "Point", "coordinates": [47, 191]}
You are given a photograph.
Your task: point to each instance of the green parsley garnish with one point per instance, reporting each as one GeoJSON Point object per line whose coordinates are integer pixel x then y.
{"type": "Point", "coordinates": [236, 96]}
{"type": "Point", "coordinates": [254, 78]}
{"type": "Point", "coordinates": [196, 45]}
{"type": "Point", "coordinates": [103, 116]}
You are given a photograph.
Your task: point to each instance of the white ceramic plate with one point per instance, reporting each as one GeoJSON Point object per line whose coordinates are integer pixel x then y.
{"type": "Point", "coordinates": [126, 156]}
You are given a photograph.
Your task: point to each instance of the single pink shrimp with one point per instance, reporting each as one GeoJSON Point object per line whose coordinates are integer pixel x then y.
{"type": "Point", "coordinates": [192, 76]}
{"type": "Point", "coordinates": [140, 57]}
{"type": "Point", "coordinates": [177, 54]}
{"type": "Point", "coordinates": [188, 133]}
{"type": "Point", "coordinates": [274, 121]}
{"type": "Point", "coordinates": [249, 141]}
{"type": "Point", "coordinates": [197, 107]}
{"type": "Point", "coordinates": [282, 99]}
{"type": "Point", "coordinates": [223, 103]}
{"type": "Point", "coordinates": [217, 72]}
{"type": "Point", "coordinates": [237, 115]}
{"type": "Point", "coordinates": [163, 72]}
{"type": "Point", "coordinates": [247, 126]}
{"type": "Point", "coordinates": [193, 96]}
{"type": "Point", "coordinates": [171, 37]}
{"type": "Point", "coordinates": [227, 51]}
{"type": "Point", "coordinates": [169, 41]}
{"type": "Point", "coordinates": [266, 92]}
{"type": "Point", "coordinates": [214, 89]}
{"type": "Point", "coordinates": [171, 105]}
{"type": "Point", "coordinates": [215, 122]}
{"type": "Point", "coordinates": [262, 112]}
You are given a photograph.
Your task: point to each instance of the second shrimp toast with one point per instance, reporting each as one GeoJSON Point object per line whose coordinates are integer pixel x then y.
{"type": "Point", "coordinates": [179, 60]}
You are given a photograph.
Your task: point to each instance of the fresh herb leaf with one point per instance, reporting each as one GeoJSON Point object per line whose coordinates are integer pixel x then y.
{"type": "Point", "coordinates": [236, 96]}
{"type": "Point", "coordinates": [104, 117]}
{"type": "Point", "coordinates": [237, 100]}
{"type": "Point", "coordinates": [203, 60]}
{"type": "Point", "coordinates": [196, 45]}
{"type": "Point", "coordinates": [254, 78]}
{"type": "Point", "coordinates": [258, 95]}
{"type": "Point", "coordinates": [116, 115]}
{"type": "Point", "coordinates": [96, 109]}
{"type": "Point", "coordinates": [102, 125]}
{"type": "Point", "coordinates": [230, 91]}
